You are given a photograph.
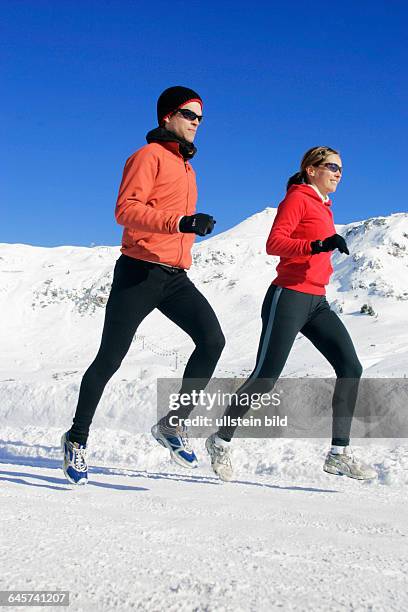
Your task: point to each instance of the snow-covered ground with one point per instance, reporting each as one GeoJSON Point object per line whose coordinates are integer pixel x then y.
{"type": "Point", "coordinates": [147, 535]}
{"type": "Point", "coordinates": [144, 535]}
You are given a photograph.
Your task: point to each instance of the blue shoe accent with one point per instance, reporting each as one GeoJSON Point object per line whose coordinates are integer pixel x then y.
{"type": "Point", "coordinates": [177, 443]}
{"type": "Point", "coordinates": [74, 465]}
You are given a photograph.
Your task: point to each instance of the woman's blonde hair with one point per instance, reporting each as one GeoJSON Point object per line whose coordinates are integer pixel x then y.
{"type": "Point", "coordinates": [313, 157]}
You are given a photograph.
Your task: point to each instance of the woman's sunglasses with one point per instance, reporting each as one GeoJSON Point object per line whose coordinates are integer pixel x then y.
{"type": "Point", "coordinates": [189, 114]}
{"type": "Point", "coordinates": [332, 167]}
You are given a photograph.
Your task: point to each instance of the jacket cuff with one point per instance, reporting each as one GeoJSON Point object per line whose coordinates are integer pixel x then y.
{"type": "Point", "coordinates": [178, 222]}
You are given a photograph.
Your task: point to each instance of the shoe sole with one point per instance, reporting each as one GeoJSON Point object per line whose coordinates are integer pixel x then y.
{"type": "Point", "coordinates": [176, 458]}
{"type": "Point", "coordinates": [81, 482]}
{"type": "Point", "coordinates": [336, 472]}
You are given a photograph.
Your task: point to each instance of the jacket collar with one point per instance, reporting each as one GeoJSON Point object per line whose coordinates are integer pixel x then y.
{"type": "Point", "coordinates": [309, 190]}
{"type": "Point", "coordinates": [172, 142]}
{"type": "Point", "coordinates": [324, 198]}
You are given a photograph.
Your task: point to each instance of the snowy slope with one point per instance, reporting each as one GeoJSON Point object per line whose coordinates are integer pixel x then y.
{"type": "Point", "coordinates": [52, 301]}
{"type": "Point", "coordinates": [145, 535]}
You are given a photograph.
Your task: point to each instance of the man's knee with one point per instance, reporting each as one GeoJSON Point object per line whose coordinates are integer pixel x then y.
{"type": "Point", "coordinates": [218, 342]}
{"type": "Point", "coordinates": [213, 343]}
{"type": "Point", "coordinates": [352, 369]}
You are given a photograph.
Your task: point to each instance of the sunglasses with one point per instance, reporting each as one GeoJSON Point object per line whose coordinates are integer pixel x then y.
{"type": "Point", "coordinates": [332, 167]}
{"type": "Point", "coordinates": [189, 114]}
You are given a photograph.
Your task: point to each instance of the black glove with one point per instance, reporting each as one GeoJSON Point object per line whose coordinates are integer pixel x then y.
{"type": "Point", "coordinates": [199, 224]}
{"type": "Point", "coordinates": [329, 244]}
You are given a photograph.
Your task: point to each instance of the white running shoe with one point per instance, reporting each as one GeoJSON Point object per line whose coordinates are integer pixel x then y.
{"type": "Point", "coordinates": [346, 464]}
{"type": "Point", "coordinates": [220, 454]}
{"type": "Point", "coordinates": [177, 442]}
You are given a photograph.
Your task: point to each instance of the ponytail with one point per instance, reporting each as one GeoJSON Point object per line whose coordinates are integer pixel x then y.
{"type": "Point", "coordinates": [296, 179]}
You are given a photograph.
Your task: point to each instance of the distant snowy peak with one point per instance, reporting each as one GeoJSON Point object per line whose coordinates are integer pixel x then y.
{"type": "Point", "coordinates": [233, 261]}
{"type": "Point", "coordinates": [378, 261]}
{"type": "Point", "coordinates": [239, 244]}
{"type": "Point", "coordinates": [256, 226]}
{"type": "Point", "coordinates": [34, 277]}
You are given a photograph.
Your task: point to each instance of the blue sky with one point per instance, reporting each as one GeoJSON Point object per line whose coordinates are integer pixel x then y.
{"type": "Point", "coordinates": [80, 82]}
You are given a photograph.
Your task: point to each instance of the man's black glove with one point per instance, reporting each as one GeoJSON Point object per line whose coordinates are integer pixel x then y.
{"type": "Point", "coordinates": [329, 244]}
{"type": "Point", "coordinates": [199, 224]}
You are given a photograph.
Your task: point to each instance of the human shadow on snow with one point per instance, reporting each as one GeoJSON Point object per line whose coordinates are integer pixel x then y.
{"type": "Point", "coordinates": [43, 462]}
{"type": "Point", "coordinates": [12, 477]}
{"type": "Point", "coordinates": [18, 477]}
{"type": "Point", "coordinates": [198, 479]}
{"type": "Point", "coordinates": [108, 471]}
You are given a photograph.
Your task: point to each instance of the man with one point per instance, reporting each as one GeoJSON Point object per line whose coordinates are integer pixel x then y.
{"type": "Point", "coordinates": [156, 206]}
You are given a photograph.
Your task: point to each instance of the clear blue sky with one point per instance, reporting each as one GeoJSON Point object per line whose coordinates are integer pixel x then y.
{"type": "Point", "coordinates": [80, 81]}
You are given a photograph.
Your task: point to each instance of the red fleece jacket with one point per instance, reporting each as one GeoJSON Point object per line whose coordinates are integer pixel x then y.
{"type": "Point", "coordinates": [302, 217]}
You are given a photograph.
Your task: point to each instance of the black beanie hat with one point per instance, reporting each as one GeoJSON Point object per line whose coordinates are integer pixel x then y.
{"type": "Point", "coordinates": [172, 98]}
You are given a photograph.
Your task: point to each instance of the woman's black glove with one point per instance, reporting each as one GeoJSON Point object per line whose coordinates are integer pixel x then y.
{"type": "Point", "coordinates": [329, 244]}
{"type": "Point", "coordinates": [199, 224]}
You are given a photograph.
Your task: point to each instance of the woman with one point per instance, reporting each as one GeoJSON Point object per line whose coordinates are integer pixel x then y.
{"type": "Point", "coordinates": [304, 236]}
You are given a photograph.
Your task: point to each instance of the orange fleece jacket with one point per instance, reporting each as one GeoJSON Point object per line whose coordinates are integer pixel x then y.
{"type": "Point", "coordinates": [158, 188]}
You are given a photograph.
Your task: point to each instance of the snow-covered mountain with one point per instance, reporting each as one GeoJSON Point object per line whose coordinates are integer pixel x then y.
{"type": "Point", "coordinates": [275, 538]}
{"type": "Point", "coordinates": [52, 302]}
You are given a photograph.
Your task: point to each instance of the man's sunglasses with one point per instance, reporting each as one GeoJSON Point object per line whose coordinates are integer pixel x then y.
{"type": "Point", "coordinates": [332, 167]}
{"type": "Point", "coordinates": [188, 114]}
